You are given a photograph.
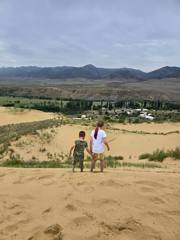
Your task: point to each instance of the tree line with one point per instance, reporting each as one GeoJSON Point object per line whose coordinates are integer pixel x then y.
{"type": "Point", "coordinates": [70, 106]}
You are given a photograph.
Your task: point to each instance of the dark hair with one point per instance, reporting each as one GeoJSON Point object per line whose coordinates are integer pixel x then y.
{"type": "Point", "coordinates": [99, 125]}
{"type": "Point", "coordinates": [82, 134]}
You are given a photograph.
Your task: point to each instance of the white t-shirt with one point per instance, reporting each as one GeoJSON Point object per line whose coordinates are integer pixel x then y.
{"type": "Point", "coordinates": [98, 144]}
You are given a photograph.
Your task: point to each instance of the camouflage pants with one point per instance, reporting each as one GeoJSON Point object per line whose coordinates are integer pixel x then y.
{"type": "Point", "coordinates": [79, 160]}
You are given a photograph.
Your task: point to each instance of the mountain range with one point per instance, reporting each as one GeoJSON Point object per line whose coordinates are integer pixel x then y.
{"type": "Point", "coordinates": [87, 72]}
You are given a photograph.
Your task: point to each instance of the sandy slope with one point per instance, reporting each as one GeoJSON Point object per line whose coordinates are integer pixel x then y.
{"type": "Point", "coordinates": [149, 127]}
{"type": "Point", "coordinates": [119, 204]}
{"type": "Point", "coordinates": [129, 145]}
{"type": "Point", "coordinates": [11, 115]}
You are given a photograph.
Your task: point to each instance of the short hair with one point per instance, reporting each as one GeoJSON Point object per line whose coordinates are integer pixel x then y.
{"type": "Point", "coordinates": [82, 134]}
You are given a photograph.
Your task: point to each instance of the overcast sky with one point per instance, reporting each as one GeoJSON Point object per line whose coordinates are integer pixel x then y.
{"type": "Point", "coordinates": [107, 33]}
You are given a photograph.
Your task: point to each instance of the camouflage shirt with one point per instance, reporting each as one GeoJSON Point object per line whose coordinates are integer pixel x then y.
{"type": "Point", "coordinates": [80, 146]}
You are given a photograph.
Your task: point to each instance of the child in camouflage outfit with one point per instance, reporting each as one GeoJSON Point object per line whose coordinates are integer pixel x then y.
{"type": "Point", "coordinates": [78, 153]}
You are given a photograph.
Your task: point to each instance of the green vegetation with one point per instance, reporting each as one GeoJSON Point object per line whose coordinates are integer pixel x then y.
{"type": "Point", "coordinates": [166, 116]}
{"type": "Point", "coordinates": [139, 165]}
{"type": "Point", "coordinates": [19, 163]}
{"type": "Point", "coordinates": [144, 156]}
{"type": "Point", "coordinates": [4, 149]}
{"type": "Point", "coordinates": [175, 154]}
{"type": "Point", "coordinates": [164, 110]}
{"type": "Point", "coordinates": [160, 155]}
{"type": "Point", "coordinates": [113, 161]}
{"type": "Point", "coordinates": [34, 164]}
{"type": "Point", "coordinates": [67, 106]}
{"type": "Point", "coordinates": [15, 131]}
{"type": "Point", "coordinates": [45, 137]}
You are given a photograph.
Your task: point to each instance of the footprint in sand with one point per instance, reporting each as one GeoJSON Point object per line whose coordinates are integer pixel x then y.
{"type": "Point", "coordinates": [129, 229]}
{"type": "Point", "coordinates": [47, 211]}
{"type": "Point", "coordinates": [156, 200]}
{"type": "Point", "coordinates": [18, 213]}
{"type": "Point", "coordinates": [146, 189]}
{"type": "Point", "coordinates": [88, 189]}
{"type": "Point", "coordinates": [11, 228]}
{"type": "Point", "coordinates": [13, 206]}
{"type": "Point", "coordinates": [111, 183]}
{"type": "Point", "coordinates": [71, 207]}
{"type": "Point", "coordinates": [55, 232]}
{"type": "Point", "coordinates": [45, 177]}
{"type": "Point", "coordinates": [80, 221]}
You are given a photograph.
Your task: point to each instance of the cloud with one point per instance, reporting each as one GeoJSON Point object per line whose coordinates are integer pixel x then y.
{"type": "Point", "coordinates": [141, 34]}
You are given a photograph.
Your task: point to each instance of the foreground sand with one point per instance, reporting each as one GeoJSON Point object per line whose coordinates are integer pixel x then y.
{"type": "Point", "coordinates": [119, 204]}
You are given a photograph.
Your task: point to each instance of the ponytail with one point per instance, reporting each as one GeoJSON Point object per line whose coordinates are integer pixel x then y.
{"type": "Point", "coordinates": [96, 132]}
{"type": "Point", "coordinates": [100, 124]}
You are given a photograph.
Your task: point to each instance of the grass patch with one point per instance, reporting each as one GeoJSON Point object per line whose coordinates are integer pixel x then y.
{"type": "Point", "coordinates": [15, 131]}
{"type": "Point", "coordinates": [144, 156]}
{"type": "Point", "coordinates": [139, 165]}
{"type": "Point", "coordinates": [113, 161]}
{"type": "Point", "coordinates": [4, 148]}
{"type": "Point", "coordinates": [160, 155]}
{"type": "Point", "coordinates": [17, 163]}
{"type": "Point", "coordinates": [175, 154]}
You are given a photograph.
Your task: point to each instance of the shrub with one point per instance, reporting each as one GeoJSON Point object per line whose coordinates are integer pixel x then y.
{"type": "Point", "coordinates": [160, 155]}
{"type": "Point", "coordinates": [174, 153]}
{"type": "Point", "coordinates": [144, 156]}
{"type": "Point", "coordinates": [4, 148]}
{"type": "Point", "coordinates": [112, 161]}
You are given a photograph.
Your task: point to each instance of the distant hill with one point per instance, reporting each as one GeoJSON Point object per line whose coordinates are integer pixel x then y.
{"type": "Point", "coordinates": [165, 72]}
{"type": "Point", "coordinates": [87, 72]}
{"type": "Point", "coordinates": [128, 73]}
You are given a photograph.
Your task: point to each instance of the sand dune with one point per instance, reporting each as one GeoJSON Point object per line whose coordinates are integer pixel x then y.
{"type": "Point", "coordinates": [55, 204]}
{"type": "Point", "coordinates": [49, 204]}
{"type": "Point", "coordinates": [129, 145]}
{"type": "Point", "coordinates": [12, 116]}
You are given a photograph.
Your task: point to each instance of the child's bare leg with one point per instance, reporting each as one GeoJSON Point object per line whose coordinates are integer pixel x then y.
{"type": "Point", "coordinates": [93, 163]}
{"type": "Point", "coordinates": [102, 165]}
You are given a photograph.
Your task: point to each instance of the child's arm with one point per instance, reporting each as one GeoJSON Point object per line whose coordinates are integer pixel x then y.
{"type": "Point", "coordinates": [89, 151]}
{"type": "Point", "coordinates": [91, 141]}
{"type": "Point", "coordinates": [107, 144]}
{"type": "Point", "coordinates": [70, 153]}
